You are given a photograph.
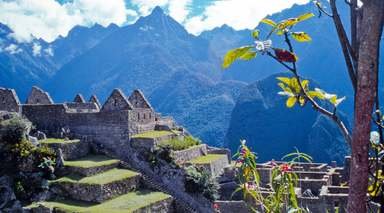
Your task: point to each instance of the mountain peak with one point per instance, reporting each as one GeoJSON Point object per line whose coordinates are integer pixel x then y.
{"type": "Point", "coordinates": [157, 11]}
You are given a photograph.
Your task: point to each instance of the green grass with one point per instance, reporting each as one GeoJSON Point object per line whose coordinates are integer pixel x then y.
{"type": "Point", "coordinates": [102, 178]}
{"type": "Point", "coordinates": [207, 158]}
{"type": "Point", "coordinates": [153, 134]}
{"type": "Point", "coordinates": [125, 203]}
{"type": "Point", "coordinates": [57, 140]}
{"type": "Point", "coordinates": [91, 161]}
{"type": "Point", "coordinates": [176, 144]}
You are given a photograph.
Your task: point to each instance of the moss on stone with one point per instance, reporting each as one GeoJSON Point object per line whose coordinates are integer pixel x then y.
{"type": "Point", "coordinates": [153, 134]}
{"type": "Point", "coordinates": [206, 159]}
{"type": "Point", "coordinates": [109, 176]}
{"type": "Point", "coordinates": [126, 203]}
{"type": "Point", "coordinates": [91, 161]}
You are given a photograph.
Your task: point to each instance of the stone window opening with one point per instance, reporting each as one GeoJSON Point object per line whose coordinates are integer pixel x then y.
{"type": "Point", "coordinates": [144, 116]}
{"type": "Point", "coordinates": [138, 116]}
{"type": "Point", "coordinates": [114, 102]}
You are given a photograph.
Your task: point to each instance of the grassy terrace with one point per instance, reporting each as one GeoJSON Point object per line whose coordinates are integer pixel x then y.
{"type": "Point", "coordinates": [153, 134]}
{"type": "Point", "coordinates": [102, 178]}
{"type": "Point", "coordinates": [207, 158]}
{"type": "Point", "coordinates": [57, 140]}
{"type": "Point", "coordinates": [177, 144]}
{"type": "Point", "coordinates": [125, 203]}
{"type": "Point", "coordinates": [91, 161]}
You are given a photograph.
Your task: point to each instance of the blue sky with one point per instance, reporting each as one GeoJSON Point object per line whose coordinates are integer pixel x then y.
{"type": "Point", "coordinates": [47, 19]}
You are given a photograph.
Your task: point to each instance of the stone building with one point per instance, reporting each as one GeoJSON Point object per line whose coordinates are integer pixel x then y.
{"type": "Point", "coordinates": [111, 124]}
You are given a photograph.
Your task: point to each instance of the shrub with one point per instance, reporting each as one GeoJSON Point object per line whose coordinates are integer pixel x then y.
{"type": "Point", "coordinates": [14, 130]}
{"type": "Point", "coordinates": [177, 144]}
{"type": "Point", "coordinates": [200, 181]}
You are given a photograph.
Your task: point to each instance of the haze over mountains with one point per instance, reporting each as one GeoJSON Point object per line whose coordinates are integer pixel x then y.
{"type": "Point", "coordinates": [180, 73]}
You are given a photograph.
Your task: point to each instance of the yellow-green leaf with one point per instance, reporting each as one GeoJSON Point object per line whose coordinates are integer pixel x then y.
{"type": "Point", "coordinates": [285, 80]}
{"type": "Point", "coordinates": [287, 23]}
{"type": "Point", "coordinates": [305, 16]}
{"type": "Point", "coordinates": [255, 34]}
{"type": "Point", "coordinates": [302, 101]}
{"type": "Point", "coordinates": [269, 22]}
{"type": "Point", "coordinates": [234, 54]}
{"type": "Point", "coordinates": [248, 55]}
{"type": "Point", "coordinates": [305, 84]}
{"type": "Point", "coordinates": [301, 36]}
{"type": "Point", "coordinates": [291, 101]}
{"type": "Point", "coordinates": [316, 94]}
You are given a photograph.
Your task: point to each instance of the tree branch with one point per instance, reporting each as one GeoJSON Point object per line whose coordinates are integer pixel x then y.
{"type": "Point", "coordinates": [282, 63]}
{"type": "Point", "coordinates": [315, 105]}
{"type": "Point", "coordinates": [345, 45]}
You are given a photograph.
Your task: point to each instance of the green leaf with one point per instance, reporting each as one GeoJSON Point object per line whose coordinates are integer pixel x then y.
{"type": "Point", "coordinates": [255, 34]}
{"type": "Point", "coordinates": [269, 22]}
{"type": "Point", "coordinates": [301, 36]}
{"type": "Point", "coordinates": [291, 101]}
{"type": "Point", "coordinates": [234, 54]}
{"type": "Point", "coordinates": [316, 94]}
{"type": "Point", "coordinates": [305, 17]}
{"type": "Point", "coordinates": [248, 55]}
{"type": "Point", "coordinates": [285, 80]}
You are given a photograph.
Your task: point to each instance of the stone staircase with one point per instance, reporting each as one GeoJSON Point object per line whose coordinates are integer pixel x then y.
{"type": "Point", "coordinates": [97, 183]}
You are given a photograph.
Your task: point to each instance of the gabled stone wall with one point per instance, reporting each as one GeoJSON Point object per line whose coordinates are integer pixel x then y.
{"type": "Point", "coordinates": [9, 100]}
{"type": "Point", "coordinates": [39, 96]}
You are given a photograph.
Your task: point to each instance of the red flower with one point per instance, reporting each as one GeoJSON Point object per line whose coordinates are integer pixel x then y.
{"type": "Point", "coordinates": [216, 206]}
{"type": "Point", "coordinates": [285, 55]}
{"type": "Point", "coordinates": [285, 168]}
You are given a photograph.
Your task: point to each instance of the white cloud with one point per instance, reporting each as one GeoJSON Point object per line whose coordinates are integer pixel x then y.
{"type": "Point", "coordinates": [178, 9]}
{"type": "Point", "coordinates": [13, 49]}
{"type": "Point", "coordinates": [239, 14]}
{"type": "Point", "coordinates": [47, 19]}
{"type": "Point", "coordinates": [36, 49]}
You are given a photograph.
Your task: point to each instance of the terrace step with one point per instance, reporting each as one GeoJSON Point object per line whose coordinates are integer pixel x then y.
{"type": "Point", "coordinates": [140, 201]}
{"type": "Point", "coordinates": [72, 149]}
{"type": "Point", "coordinates": [91, 165]}
{"type": "Point", "coordinates": [99, 187]}
{"type": "Point", "coordinates": [151, 139]}
{"type": "Point", "coordinates": [212, 163]}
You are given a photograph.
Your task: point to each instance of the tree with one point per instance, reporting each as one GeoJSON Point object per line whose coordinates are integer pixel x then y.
{"type": "Point", "coordinates": [361, 56]}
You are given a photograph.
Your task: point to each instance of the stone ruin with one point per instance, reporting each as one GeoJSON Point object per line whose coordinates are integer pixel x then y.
{"type": "Point", "coordinates": [111, 124]}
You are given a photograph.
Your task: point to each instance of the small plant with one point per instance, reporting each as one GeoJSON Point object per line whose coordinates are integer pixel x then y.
{"type": "Point", "coordinates": [200, 181]}
{"type": "Point", "coordinates": [47, 165]}
{"type": "Point", "coordinates": [284, 180]}
{"type": "Point", "coordinates": [247, 175]}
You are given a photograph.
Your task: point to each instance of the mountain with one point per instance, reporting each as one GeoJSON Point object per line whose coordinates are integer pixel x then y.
{"type": "Point", "coordinates": [142, 55]}
{"type": "Point", "coordinates": [198, 103]}
{"type": "Point", "coordinates": [23, 64]}
{"type": "Point", "coordinates": [273, 130]}
{"type": "Point", "coordinates": [79, 40]}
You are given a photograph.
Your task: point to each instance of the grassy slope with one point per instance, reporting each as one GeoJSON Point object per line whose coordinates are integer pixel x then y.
{"type": "Point", "coordinates": [102, 178]}
{"type": "Point", "coordinates": [91, 161]}
{"type": "Point", "coordinates": [207, 158]}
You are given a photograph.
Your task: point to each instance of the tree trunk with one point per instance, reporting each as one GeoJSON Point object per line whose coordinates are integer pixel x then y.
{"type": "Point", "coordinates": [369, 31]}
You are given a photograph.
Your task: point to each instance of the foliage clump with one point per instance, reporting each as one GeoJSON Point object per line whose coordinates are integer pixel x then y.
{"type": "Point", "coordinates": [199, 181]}
{"type": "Point", "coordinates": [27, 164]}
{"type": "Point", "coordinates": [177, 144]}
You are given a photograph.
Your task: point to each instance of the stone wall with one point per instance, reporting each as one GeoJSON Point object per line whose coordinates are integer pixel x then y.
{"type": "Point", "coordinates": [186, 155]}
{"type": "Point", "coordinates": [47, 118]}
{"type": "Point", "coordinates": [81, 107]}
{"type": "Point", "coordinates": [9, 100]}
{"type": "Point", "coordinates": [39, 96]}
